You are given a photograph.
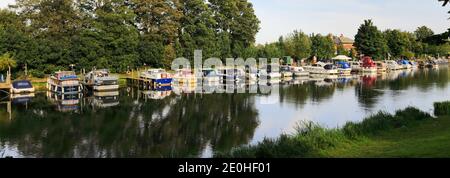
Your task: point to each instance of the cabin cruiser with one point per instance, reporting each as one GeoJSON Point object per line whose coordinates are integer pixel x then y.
{"type": "Point", "coordinates": [64, 82]}
{"type": "Point", "coordinates": [210, 76]}
{"type": "Point", "coordinates": [101, 80]}
{"type": "Point", "coordinates": [369, 65]}
{"type": "Point", "coordinates": [232, 75]}
{"type": "Point", "coordinates": [381, 66]}
{"type": "Point", "coordinates": [405, 64]}
{"type": "Point", "coordinates": [322, 68]}
{"type": "Point", "coordinates": [22, 86]}
{"type": "Point", "coordinates": [299, 71]}
{"type": "Point", "coordinates": [251, 74]}
{"type": "Point", "coordinates": [392, 65]}
{"type": "Point", "coordinates": [157, 77]}
{"type": "Point", "coordinates": [356, 66]}
{"type": "Point", "coordinates": [184, 76]}
{"type": "Point", "coordinates": [286, 72]}
{"type": "Point", "coordinates": [269, 72]}
{"type": "Point", "coordinates": [344, 68]}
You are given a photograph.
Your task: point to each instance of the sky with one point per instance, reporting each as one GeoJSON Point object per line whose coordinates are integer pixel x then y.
{"type": "Point", "coordinates": [281, 17]}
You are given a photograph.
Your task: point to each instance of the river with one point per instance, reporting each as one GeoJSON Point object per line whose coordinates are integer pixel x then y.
{"type": "Point", "coordinates": [135, 123]}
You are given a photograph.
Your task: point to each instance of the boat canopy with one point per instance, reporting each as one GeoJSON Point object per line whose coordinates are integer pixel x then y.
{"type": "Point", "coordinates": [22, 84]}
{"type": "Point", "coordinates": [342, 57]}
{"type": "Point", "coordinates": [404, 62]}
{"type": "Point", "coordinates": [66, 75]}
{"type": "Point", "coordinates": [343, 65]}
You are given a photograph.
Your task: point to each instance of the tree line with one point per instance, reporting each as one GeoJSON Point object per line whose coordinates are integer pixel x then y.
{"type": "Point", "coordinates": [49, 35]}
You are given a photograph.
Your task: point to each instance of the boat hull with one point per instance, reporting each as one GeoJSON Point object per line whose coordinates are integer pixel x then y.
{"type": "Point", "coordinates": [106, 87]}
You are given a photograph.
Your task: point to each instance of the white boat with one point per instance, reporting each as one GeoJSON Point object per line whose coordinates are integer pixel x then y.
{"type": "Point", "coordinates": [64, 82]}
{"type": "Point", "coordinates": [322, 68]}
{"type": "Point", "coordinates": [299, 71]}
{"type": "Point", "coordinates": [344, 68]}
{"type": "Point", "coordinates": [101, 80]}
{"type": "Point", "coordinates": [286, 72]}
{"type": "Point", "coordinates": [210, 76]}
{"type": "Point", "coordinates": [232, 75]}
{"type": "Point", "coordinates": [158, 77]}
{"type": "Point", "coordinates": [381, 67]}
{"type": "Point", "coordinates": [184, 76]}
{"type": "Point", "coordinates": [22, 86]}
{"type": "Point", "coordinates": [392, 65]}
{"type": "Point", "coordinates": [356, 66]}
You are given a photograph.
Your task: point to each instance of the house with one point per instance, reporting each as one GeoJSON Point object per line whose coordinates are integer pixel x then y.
{"type": "Point", "coordinates": [346, 42]}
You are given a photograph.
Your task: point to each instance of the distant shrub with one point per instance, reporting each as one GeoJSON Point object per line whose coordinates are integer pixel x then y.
{"type": "Point", "coordinates": [37, 73]}
{"type": "Point", "coordinates": [442, 108]}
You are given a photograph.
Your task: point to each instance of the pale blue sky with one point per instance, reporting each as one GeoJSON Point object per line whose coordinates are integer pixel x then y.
{"type": "Point", "coordinates": [280, 17]}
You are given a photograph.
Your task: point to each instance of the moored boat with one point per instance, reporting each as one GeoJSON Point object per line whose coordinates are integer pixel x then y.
{"type": "Point", "coordinates": [381, 66]}
{"type": "Point", "coordinates": [299, 71]}
{"type": "Point", "coordinates": [286, 72]}
{"type": "Point", "coordinates": [269, 72]}
{"type": "Point", "coordinates": [22, 86]}
{"type": "Point", "coordinates": [392, 65]}
{"type": "Point", "coordinates": [64, 82]}
{"type": "Point", "coordinates": [184, 76]}
{"type": "Point", "coordinates": [368, 65]}
{"type": "Point", "coordinates": [356, 66]}
{"type": "Point", "coordinates": [322, 68]}
{"type": "Point", "coordinates": [344, 68]}
{"type": "Point", "coordinates": [101, 80]}
{"type": "Point", "coordinates": [157, 77]}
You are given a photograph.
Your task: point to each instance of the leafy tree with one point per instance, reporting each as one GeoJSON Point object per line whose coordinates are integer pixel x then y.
{"type": "Point", "coordinates": [7, 62]}
{"type": "Point", "coordinates": [423, 32]}
{"type": "Point", "coordinates": [322, 46]}
{"type": "Point", "coordinates": [398, 42]}
{"type": "Point", "coordinates": [298, 45]}
{"type": "Point", "coordinates": [197, 30]}
{"type": "Point", "coordinates": [369, 41]}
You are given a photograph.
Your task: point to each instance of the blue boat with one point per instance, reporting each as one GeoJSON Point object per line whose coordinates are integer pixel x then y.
{"type": "Point", "coordinates": [344, 68]}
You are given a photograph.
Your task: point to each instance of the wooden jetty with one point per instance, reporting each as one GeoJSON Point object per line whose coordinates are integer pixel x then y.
{"type": "Point", "coordinates": [6, 86]}
{"type": "Point", "coordinates": [143, 83]}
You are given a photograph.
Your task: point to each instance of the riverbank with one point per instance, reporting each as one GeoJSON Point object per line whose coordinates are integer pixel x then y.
{"type": "Point", "coordinates": [407, 133]}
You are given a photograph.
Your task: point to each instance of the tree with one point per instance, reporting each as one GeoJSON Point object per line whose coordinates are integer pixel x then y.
{"type": "Point", "coordinates": [197, 30]}
{"type": "Point", "coordinates": [237, 20]}
{"type": "Point", "coordinates": [423, 32]}
{"type": "Point", "coordinates": [369, 41]}
{"type": "Point", "coordinates": [322, 46]}
{"type": "Point", "coordinates": [7, 62]}
{"type": "Point", "coordinates": [398, 42]}
{"type": "Point", "coordinates": [111, 40]}
{"type": "Point", "coordinates": [298, 45]}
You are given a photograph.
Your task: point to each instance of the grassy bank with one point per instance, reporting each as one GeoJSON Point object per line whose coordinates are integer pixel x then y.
{"type": "Point", "coordinates": [407, 133]}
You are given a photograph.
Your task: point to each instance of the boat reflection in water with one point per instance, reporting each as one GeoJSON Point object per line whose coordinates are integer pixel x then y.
{"type": "Point", "coordinates": [105, 99]}
{"type": "Point", "coordinates": [65, 102]}
{"type": "Point", "coordinates": [157, 93]}
{"type": "Point", "coordinates": [22, 98]}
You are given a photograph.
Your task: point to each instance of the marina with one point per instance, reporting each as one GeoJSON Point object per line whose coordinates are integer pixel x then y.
{"type": "Point", "coordinates": [161, 115]}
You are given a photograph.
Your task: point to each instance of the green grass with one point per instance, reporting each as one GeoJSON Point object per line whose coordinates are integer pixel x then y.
{"type": "Point", "coordinates": [407, 133]}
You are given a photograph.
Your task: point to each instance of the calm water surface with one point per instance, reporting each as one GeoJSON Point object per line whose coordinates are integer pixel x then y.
{"type": "Point", "coordinates": [136, 123]}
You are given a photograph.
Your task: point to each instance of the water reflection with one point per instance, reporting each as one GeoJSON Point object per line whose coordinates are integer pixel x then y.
{"type": "Point", "coordinates": [188, 121]}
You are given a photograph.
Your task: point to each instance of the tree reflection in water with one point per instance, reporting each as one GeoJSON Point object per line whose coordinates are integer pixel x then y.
{"type": "Point", "coordinates": [171, 127]}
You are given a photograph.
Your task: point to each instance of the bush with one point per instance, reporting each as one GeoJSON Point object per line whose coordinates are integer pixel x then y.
{"type": "Point", "coordinates": [442, 108]}
{"type": "Point", "coordinates": [37, 73]}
